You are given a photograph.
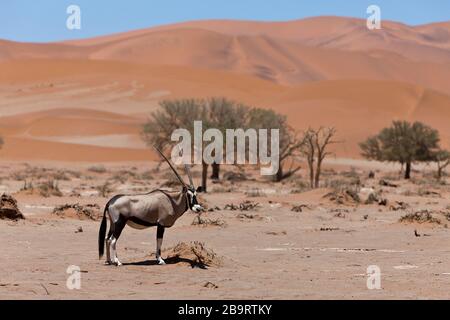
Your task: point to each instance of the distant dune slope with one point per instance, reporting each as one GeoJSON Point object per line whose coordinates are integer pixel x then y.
{"type": "Point", "coordinates": [86, 100]}
{"type": "Point", "coordinates": [323, 48]}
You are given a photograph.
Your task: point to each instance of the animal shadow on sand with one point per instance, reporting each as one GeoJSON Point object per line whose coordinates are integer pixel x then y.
{"type": "Point", "coordinates": [169, 261]}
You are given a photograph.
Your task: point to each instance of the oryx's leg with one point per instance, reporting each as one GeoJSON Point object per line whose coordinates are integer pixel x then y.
{"type": "Point", "coordinates": [108, 245]}
{"type": "Point", "coordinates": [159, 240]}
{"type": "Point", "coordinates": [117, 230]}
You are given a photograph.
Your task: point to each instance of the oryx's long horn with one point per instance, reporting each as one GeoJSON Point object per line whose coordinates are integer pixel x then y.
{"type": "Point", "coordinates": [171, 166]}
{"type": "Point", "coordinates": [188, 172]}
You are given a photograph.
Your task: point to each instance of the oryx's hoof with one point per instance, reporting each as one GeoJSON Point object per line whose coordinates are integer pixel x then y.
{"type": "Point", "coordinates": [117, 263]}
{"type": "Point", "coordinates": [161, 262]}
{"type": "Point", "coordinates": [108, 263]}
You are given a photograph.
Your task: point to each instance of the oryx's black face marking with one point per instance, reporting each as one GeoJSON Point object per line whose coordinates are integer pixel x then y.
{"type": "Point", "coordinates": [192, 200]}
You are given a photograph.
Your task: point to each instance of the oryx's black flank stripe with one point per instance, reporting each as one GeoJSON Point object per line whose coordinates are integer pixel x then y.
{"type": "Point", "coordinates": [142, 222]}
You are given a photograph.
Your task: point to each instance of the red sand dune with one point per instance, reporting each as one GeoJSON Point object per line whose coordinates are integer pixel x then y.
{"type": "Point", "coordinates": [318, 71]}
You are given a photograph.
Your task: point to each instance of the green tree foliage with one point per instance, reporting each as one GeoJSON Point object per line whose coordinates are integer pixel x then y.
{"type": "Point", "coordinates": [404, 143]}
{"type": "Point", "coordinates": [218, 113]}
{"type": "Point", "coordinates": [222, 114]}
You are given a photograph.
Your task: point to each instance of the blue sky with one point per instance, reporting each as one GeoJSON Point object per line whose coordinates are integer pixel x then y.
{"type": "Point", "coordinates": [45, 20]}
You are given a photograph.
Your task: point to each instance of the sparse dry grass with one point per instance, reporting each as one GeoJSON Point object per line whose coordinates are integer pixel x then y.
{"type": "Point", "coordinates": [38, 173]}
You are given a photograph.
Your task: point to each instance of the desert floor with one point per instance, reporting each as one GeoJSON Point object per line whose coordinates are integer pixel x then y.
{"type": "Point", "coordinates": [270, 252]}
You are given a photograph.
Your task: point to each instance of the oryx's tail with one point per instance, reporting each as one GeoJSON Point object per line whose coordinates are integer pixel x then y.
{"type": "Point", "coordinates": [102, 234]}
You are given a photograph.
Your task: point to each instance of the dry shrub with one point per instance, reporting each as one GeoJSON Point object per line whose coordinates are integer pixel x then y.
{"type": "Point", "coordinates": [329, 229]}
{"type": "Point", "coordinates": [343, 197]}
{"type": "Point", "coordinates": [49, 188]}
{"type": "Point", "coordinates": [205, 222]}
{"type": "Point", "coordinates": [249, 216]}
{"type": "Point", "coordinates": [423, 216]}
{"type": "Point", "coordinates": [146, 175]}
{"type": "Point", "coordinates": [300, 186]}
{"type": "Point", "coordinates": [299, 208]}
{"type": "Point", "coordinates": [172, 182]}
{"type": "Point", "coordinates": [234, 176]}
{"type": "Point", "coordinates": [352, 174]}
{"type": "Point", "coordinates": [275, 233]}
{"type": "Point", "coordinates": [123, 176]}
{"type": "Point", "coordinates": [105, 189]}
{"type": "Point", "coordinates": [375, 198]}
{"type": "Point", "coordinates": [222, 189]}
{"type": "Point", "coordinates": [97, 169]}
{"type": "Point", "coordinates": [339, 213]}
{"type": "Point", "coordinates": [425, 192]}
{"type": "Point", "coordinates": [244, 206]}
{"type": "Point", "coordinates": [9, 209]}
{"type": "Point", "coordinates": [341, 184]}
{"type": "Point", "coordinates": [195, 253]}
{"type": "Point", "coordinates": [399, 205]}
{"type": "Point", "coordinates": [387, 183]}
{"type": "Point", "coordinates": [82, 212]}
{"type": "Point", "coordinates": [393, 176]}
{"type": "Point", "coordinates": [255, 193]}
{"type": "Point", "coordinates": [210, 285]}
{"type": "Point", "coordinates": [37, 173]}
{"type": "Point", "coordinates": [45, 189]}
{"type": "Point", "coordinates": [65, 175]}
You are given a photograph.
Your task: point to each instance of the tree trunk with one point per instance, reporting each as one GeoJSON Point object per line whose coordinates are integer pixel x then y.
{"type": "Point", "coordinates": [215, 171]}
{"type": "Point", "coordinates": [279, 175]}
{"type": "Point", "coordinates": [311, 173]}
{"type": "Point", "coordinates": [204, 176]}
{"type": "Point", "coordinates": [318, 172]}
{"type": "Point", "coordinates": [439, 173]}
{"type": "Point", "coordinates": [408, 171]}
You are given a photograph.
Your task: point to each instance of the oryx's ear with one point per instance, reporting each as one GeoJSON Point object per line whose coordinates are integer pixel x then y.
{"type": "Point", "coordinates": [200, 189]}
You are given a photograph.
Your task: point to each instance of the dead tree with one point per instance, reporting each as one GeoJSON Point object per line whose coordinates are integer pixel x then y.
{"type": "Point", "coordinates": [442, 159]}
{"type": "Point", "coordinates": [314, 148]}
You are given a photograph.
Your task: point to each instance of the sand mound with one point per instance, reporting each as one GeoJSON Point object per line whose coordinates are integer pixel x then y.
{"type": "Point", "coordinates": [195, 253]}
{"type": "Point", "coordinates": [77, 211]}
{"type": "Point", "coordinates": [9, 209]}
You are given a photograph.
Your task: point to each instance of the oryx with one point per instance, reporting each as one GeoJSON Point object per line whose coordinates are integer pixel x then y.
{"type": "Point", "coordinates": [158, 208]}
